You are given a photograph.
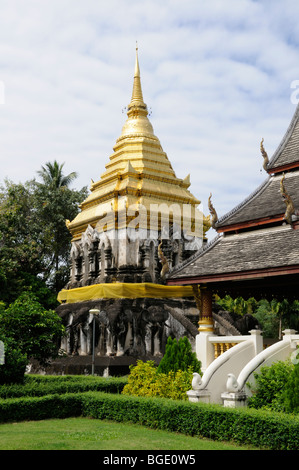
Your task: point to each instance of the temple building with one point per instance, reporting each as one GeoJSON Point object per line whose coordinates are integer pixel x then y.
{"type": "Point", "coordinates": [139, 221]}
{"type": "Point", "coordinates": [256, 251]}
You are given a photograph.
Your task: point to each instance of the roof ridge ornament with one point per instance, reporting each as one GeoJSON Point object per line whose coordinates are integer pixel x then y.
{"type": "Point", "coordinates": [290, 210]}
{"type": "Point", "coordinates": [212, 212]}
{"type": "Point", "coordinates": [265, 155]}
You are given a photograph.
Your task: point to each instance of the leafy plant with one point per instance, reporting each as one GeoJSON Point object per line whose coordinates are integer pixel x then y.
{"type": "Point", "coordinates": [146, 381]}
{"type": "Point", "coordinates": [34, 240]}
{"type": "Point", "coordinates": [15, 362]}
{"type": "Point", "coordinates": [271, 381]}
{"type": "Point", "coordinates": [291, 391]}
{"type": "Point", "coordinates": [179, 356]}
{"type": "Point", "coordinates": [31, 328]}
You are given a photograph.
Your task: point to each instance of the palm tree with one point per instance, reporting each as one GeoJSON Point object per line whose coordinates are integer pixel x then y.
{"type": "Point", "coordinates": [57, 204]}
{"type": "Point", "coordinates": [53, 177]}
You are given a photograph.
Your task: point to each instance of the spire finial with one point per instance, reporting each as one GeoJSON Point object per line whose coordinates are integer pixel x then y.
{"type": "Point", "coordinates": [137, 97]}
{"type": "Point", "coordinates": [137, 112]}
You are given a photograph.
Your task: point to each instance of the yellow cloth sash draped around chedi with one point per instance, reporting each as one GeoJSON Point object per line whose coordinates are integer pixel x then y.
{"type": "Point", "coordinates": [123, 291]}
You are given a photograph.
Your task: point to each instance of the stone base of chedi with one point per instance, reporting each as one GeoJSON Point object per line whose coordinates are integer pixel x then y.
{"type": "Point", "coordinates": [125, 330]}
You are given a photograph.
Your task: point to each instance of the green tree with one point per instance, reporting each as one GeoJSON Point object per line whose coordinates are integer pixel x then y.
{"type": "Point", "coordinates": [270, 386]}
{"type": "Point", "coordinates": [34, 239]}
{"type": "Point", "coordinates": [273, 316]}
{"type": "Point", "coordinates": [238, 305]}
{"type": "Point", "coordinates": [291, 392]}
{"type": "Point", "coordinates": [178, 356]}
{"type": "Point", "coordinates": [57, 203]}
{"type": "Point", "coordinates": [53, 177]}
{"type": "Point", "coordinates": [21, 239]}
{"type": "Point", "coordinates": [15, 362]}
{"type": "Point", "coordinates": [35, 330]}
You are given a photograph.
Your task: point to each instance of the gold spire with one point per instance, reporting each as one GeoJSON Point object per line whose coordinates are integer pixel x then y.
{"type": "Point", "coordinates": [138, 170]}
{"type": "Point", "coordinates": [137, 97]}
{"type": "Point", "coordinates": [137, 122]}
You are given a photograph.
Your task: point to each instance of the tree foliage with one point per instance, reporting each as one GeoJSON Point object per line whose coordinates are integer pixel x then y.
{"type": "Point", "coordinates": [34, 239]}
{"type": "Point", "coordinates": [15, 362]}
{"type": "Point", "coordinates": [273, 315]}
{"type": "Point", "coordinates": [291, 394]}
{"type": "Point", "coordinates": [277, 387]}
{"type": "Point", "coordinates": [179, 356]}
{"type": "Point", "coordinates": [57, 203]}
{"type": "Point", "coordinates": [145, 381]}
{"type": "Point", "coordinates": [35, 330]}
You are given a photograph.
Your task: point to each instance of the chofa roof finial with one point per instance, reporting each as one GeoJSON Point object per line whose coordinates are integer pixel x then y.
{"type": "Point", "coordinates": [212, 212]}
{"type": "Point", "coordinates": [265, 155]}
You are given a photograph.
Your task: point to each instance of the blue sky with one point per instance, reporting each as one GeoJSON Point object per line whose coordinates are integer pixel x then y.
{"type": "Point", "coordinates": [216, 74]}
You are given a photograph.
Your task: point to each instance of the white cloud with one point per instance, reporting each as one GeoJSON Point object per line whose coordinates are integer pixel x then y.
{"type": "Point", "coordinates": [216, 74]}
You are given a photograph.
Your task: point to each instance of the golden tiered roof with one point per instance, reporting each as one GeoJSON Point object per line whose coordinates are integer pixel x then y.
{"type": "Point", "coordinates": [139, 171]}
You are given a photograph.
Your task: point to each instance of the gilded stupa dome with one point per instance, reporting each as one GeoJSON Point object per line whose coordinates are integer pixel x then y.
{"type": "Point", "coordinates": [139, 171]}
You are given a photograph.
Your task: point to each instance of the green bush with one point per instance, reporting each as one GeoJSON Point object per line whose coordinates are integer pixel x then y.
{"type": "Point", "coordinates": [253, 427]}
{"type": "Point", "coordinates": [39, 385]}
{"type": "Point", "coordinates": [268, 392]}
{"type": "Point", "coordinates": [258, 428]}
{"type": "Point", "coordinates": [37, 408]}
{"type": "Point", "coordinates": [34, 329]}
{"type": "Point", "coordinates": [291, 392]}
{"type": "Point", "coordinates": [145, 381]}
{"type": "Point", "coordinates": [179, 356]}
{"type": "Point", "coordinates": [15, 362]}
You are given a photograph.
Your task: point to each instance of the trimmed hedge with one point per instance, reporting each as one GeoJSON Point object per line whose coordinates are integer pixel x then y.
{"type": "Point", "coordinates": [264, 429]}
{"type": "Point", "coordinates": [37, 408]}
{"type": "Point", "coordinates": [40, 385]}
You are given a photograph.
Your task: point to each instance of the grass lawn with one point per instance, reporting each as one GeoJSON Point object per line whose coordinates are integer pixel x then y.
{"type": "Point", "coordinates": [93, 434]}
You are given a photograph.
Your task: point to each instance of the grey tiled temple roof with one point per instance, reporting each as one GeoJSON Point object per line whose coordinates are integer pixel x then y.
{"type": "Point", "coordinates": [288, 150]}
{"type": "Point", "coordinates": [252, 250]}
{"type": "Point", "coordinates": [266, 201]}
{"type": "Point", "coordinates": [263, 249]}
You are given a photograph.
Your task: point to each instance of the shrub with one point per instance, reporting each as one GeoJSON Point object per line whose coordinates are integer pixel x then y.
{"type": "Point", "coordinates": [36, 408]}
{"type": "Point", "coordinates": [34, 329]}
{"type": "Point", "coordinates": [146, 381]}
{"type": "Point", "coordinates": [15, 362]}
{"type": "Point", "coordinates": [179, 356]}
{"type": "Point", "coordinates": [253, 427]}
{"type": "Point", "coordinates": [271, 381]}
{"type": "Point", "coordinates": [39, 385]}
{"type": "Point", "coordinates": [291, 391]}
{"type": "Point", "coordinates": [247, 426]}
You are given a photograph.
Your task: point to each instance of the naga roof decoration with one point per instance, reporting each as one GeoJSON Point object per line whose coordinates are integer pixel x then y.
{"type": "Point", "coordinates": [212, 212]}
{"type": "Point", "coordinates": [265, 156]}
